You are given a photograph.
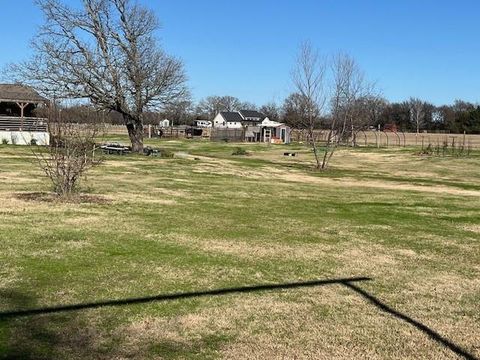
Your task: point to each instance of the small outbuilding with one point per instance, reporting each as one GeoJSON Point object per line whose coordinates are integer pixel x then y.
{"type": "Point", "coordinates": [19, 123]}
{"type": "Point", "coordinates": [275, 132]}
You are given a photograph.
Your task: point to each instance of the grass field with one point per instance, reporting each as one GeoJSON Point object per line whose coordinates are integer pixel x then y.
{"type": "Point", "coordinates": [207, 220]}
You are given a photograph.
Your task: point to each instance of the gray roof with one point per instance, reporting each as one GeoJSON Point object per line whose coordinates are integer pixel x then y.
{"type": "Point", "coordinates": [252, 114]}
{"type": "Point", "coordinates": [231, 116]}
{"type": "Point", "coordinates": [20, 93]}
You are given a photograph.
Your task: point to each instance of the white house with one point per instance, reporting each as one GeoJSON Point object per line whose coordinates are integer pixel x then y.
{"type": "Point", "coordinates": [228, 120]}
{"type": "Point", "coordinates": [257, 127]}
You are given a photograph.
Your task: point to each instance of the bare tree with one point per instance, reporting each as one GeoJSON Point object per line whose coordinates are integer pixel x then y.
{"type": "Point", "coordinates": [294, 112]}
{"type": "Point", "coordinates": [210, 106]}
{"type": "Point", "coordinates": [417, 112]}
{"type": "Point", "coordinates": [105, 52]}
{"type": "Point", "coordinates": [271, 110]}
{"type": "Point", "coordinates": [70, 154]}
{"type": "Point", "coordinates": [179, 111]}
{"type": "Point", "coordinates": [366, 111]}
{"type": "Point", "coordinates": [348, 87]}
{"type": "Point", "coordinates": [308, 78]}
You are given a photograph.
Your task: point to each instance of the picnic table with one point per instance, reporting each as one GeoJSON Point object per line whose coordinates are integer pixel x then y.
{"type": "Point", "coordinates": [115, 148]}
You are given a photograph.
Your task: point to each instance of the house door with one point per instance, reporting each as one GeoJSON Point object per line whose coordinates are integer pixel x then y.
{"type": "Point", "coordinates": [283, 133]}
{"type": "Point", "coordinates": [267, 135]}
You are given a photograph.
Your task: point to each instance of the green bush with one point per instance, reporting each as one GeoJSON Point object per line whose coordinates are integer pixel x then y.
{"type": "Point", "coordinates": [239, 151]}
{"type": "Point", "coordinates": [166, 153]}
{"type": "Point", "coordinates": [4, 141]}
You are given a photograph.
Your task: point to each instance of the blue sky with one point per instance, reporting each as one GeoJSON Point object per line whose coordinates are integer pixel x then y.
{"type": "Point", "coordinates": [246, 48]}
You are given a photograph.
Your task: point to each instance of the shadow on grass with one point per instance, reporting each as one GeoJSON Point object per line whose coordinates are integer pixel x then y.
{"type": "Point", "coordinates": [349, 283]}
{"type": "Point", "coordinates": [417, 324]}
{"type": "Point", "coordinates": [44, 337]}
{"type": "Point", "coordinates": [175, 296]}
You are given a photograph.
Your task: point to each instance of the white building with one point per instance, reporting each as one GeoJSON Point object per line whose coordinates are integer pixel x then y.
{"type": "Point", "coordinates": [164, 123]}
{"type": "Point", "coordinates": [228, 119]}
{"type": "Point", "coordinates": [202, 123]}
{"type": "Point", "coordinates": [18, 121]}
{"type": "Point", "coordinates": [257, 127]}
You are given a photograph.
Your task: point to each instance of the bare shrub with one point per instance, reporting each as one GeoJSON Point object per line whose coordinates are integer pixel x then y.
{"type": "Point", "coordinates": [70, 154]}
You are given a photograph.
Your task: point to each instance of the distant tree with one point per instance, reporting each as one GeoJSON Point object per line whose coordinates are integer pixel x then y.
{"type": "Point", "coordinates": [106, 52]}
{"type": "Point", "coordinates": [396, 113]}
{"type": "Point", "coordinates": [210, 106]}
{"type": "Point", "coordinates": [81, 114]}
{"type": "Point", "coordinates": [469, 121]}
{"type": "Point", "coordinates": [428, 116]}
{"type": "Point", "coordinates": [247, 105]}
{"type": "Point", "coordinates": [460, 106]}
{"type": "Point", "coordinates": [417, 113]}
{"type": "Point", "coordinates": [459, 117]}
{"type": "Point", "coordinates": [179, 112]}
{"type": "Point", "coordinates": [231, 103]}
{"type": "Point", "coordinates": [371, 109]}
{"type": "Point", "coordinates": [271, 110]}
{"type": "Point", "coordinates": [294, 111]}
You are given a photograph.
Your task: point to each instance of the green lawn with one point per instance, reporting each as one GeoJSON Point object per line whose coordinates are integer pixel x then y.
{"type": "Point", "coordinates": [208, 220]}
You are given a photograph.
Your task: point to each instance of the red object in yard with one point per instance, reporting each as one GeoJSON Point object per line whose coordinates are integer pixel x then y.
{"type": "Point", "coordinates": [392, 127]}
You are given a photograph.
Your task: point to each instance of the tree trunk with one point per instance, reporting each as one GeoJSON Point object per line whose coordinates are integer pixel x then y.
{"type": "Point", "coordinates": [135, 133]}
{"type": "Point", "coordinates": [314, 146]}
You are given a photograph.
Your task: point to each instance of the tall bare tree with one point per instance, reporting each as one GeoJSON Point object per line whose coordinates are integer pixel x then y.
{"type": "Point", "coordinates": [105, 52]}
{"type": "Point", "coordinates": [349, 86]}
{"type": "Point", "coordinates": [308, 77]}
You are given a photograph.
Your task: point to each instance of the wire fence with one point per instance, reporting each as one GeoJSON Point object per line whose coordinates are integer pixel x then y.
{"type": "Point", "coordinates": [392, 139]}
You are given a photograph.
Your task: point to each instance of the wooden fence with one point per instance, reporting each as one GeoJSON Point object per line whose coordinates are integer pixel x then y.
{"type": "Point", "coordinates": [227, 135]}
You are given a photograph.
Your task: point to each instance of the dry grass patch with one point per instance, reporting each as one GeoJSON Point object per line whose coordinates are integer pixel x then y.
{"type": "Point", "coordinates": [324, 323]}
{"type": "Point", "coordinates": [54, 198]}
{"type": "Point", "coordinates": [376, 184]}
{"type": "Point", "coordinates": [253, 250]}
{"type": "Point", "coordinates": [120, 197]}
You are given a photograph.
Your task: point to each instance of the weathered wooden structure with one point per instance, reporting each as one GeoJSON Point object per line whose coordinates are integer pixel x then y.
{"type": "Point", "coordinates": [19, 123]}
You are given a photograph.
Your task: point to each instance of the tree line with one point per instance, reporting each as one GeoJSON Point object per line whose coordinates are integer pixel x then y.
{"type": "Point", "coordinates": [376, 112]}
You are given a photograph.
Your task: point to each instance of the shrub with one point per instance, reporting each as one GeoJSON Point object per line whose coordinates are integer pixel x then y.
{"type": "Point", "coordinates": [239, 151]}
{"type": "Point", "coordinates": [69, 156]}
{"type": "Point", "coordinates": [33, 142]}
{"type": "Point", "coordinates": [166, 153]}
{"type": "Point", "coordinates": [5, 141]}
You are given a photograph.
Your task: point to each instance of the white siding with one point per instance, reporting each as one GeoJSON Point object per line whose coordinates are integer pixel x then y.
{"type": "Point", "coordinates": [25, 137]}
{"type": "Point", "coordinates": [219, 121]}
